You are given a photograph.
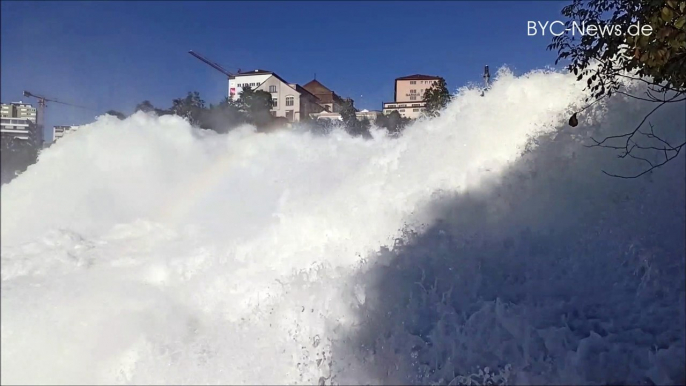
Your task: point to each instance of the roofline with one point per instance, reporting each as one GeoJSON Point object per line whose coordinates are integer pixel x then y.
{"type": "Point", "coordinates": [252, 74]}
{"type": "Point", "coordinates": [322, 84]}
{"type": "Point", "coordinates": [417, 77]}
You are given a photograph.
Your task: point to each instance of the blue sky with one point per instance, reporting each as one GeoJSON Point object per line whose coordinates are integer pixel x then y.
{"type": "Point", "coordinates": [112, 55]}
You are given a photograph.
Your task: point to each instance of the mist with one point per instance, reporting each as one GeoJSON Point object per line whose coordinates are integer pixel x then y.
{"type": "Point", "coordinates": [149, 251]}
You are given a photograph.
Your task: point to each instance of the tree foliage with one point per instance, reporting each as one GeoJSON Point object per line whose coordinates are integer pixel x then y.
{"type": "Point", "coordinates": [191, 107]}
{"type": "Point", "coordinates": [437, 98]}
{"type": "Point", "coordinates": [660, 54]}
{"type": "Point", "coordinates": [116, 113]}
{"type": "Point", "coordinates": [256, 105]}
{"type": "Point", "coordinates": [393, 122]}
{"type": "Point", "coordinates": [353, 125]}
{"type": "Point", "coordinates": [655, 55]}
{"type": "Point", "coordinates": [16, 155]}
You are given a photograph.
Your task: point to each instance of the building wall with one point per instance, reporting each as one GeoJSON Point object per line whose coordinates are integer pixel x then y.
{"type": "Point", "coordinates": [281, 94]}
{"type": "Point", "coordinates": [309, 104]}
{"type": "Point", "coordinates": [6, 111]}
{"type": "Point", "coordinates": [412, 90]}
{"type": "Point", "coordinates": [19, 110]}
{"type": "Point", "coordinates": [60, 131]}
{"type": "Point", "coordinates": [411, 110]}
{"type": "Point", "coordinates": [18, 128]}
{"type": "Point", "coordinates": [15, 120]}
{"type": "Point", "coordinates": [370, 115]}
{"type": "Point", "coordinates": [236, 84]}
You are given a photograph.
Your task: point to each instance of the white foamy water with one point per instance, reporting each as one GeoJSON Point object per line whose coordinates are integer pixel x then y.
{"type": "Point", "coordinates": [147, 251]}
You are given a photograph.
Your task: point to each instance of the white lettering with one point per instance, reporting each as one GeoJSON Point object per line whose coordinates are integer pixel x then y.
{"type": "Point", "coordinates": [632, 28]}
{"type": "Point", "coordinates": [543, 27]}
{"type": "Point", "coordinates": [606, 30]}
{"type": "Point", "coordinates": [591, 30]}
{"type": "Point", "coordinates": [556, 22]}
{"type": "Point", "coordinates": [576, 26]}
{"type": "Point", "coordinates": [531, 25]}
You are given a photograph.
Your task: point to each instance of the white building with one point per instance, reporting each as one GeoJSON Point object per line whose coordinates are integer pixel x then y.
{"type": "Point", "coordinates": [18, 110]}
{"type": "Point", "coordinates": [253, 79]}
{"type": "Point", "coordinates": [18, 119]}
{"type": "Point", "coordinates": [290, 100]}
{"type": "Point", "coordinates": [406, 110]}
{"type": "Point", "coordinates": [408, 98]}
{"type": "Point", "coordinates": [364, 114]}
{"type": "Point", "coordinates": [16, 128]}
{"type": "Point", "coordinates": [60, 131]}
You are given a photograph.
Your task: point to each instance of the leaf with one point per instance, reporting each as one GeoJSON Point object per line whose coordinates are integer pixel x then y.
{"type": "Point", "coordinates": [667, 14]}
{"type": "Point", "coordinates": [682, 20]}
{"type": "Point", "coordinates": [573, 121]}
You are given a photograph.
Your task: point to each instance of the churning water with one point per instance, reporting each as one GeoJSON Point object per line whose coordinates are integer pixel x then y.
{"type": "Point", "coordinates": [147, 251]}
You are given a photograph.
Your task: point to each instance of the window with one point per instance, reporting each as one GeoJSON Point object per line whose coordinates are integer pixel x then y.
{"type": "Point", "coordinates": [413, 82]}
{"type": "Point", "coordinates": [416, 105]}
{"type": "Point", "coordinates": [415, 110]}
{"type": "Point", "coordinates": [402, 110]}
{"type": "Point", "coordinates": [290, 101]}
{"type": "Point", "coordinates": [413, 91]}
{"type": "Point", "coordinates": [275, 102]}
{"type": "Point", "coordinates": [413, 97]}
{"type": "Point", "coordinates": [272, 89]}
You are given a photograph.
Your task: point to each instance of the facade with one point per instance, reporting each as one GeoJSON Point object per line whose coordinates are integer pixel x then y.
{"type": "Point", "coordinates": [60, 131]}
{"type": "Point", "coordinates": [16, 128]}
{"type": "Point", "coordinates": [408, 99]}
{"type": "Point", "coordinates": [290, 100]}
{"type": "Point", "coordinates": [18, 119]}
{"type": "Point", "coordinates": [327, 98]}
{"type": "Point", "coordinates": [406, 110]}
{"type": "Point", "coordinates": [19, 110]}
{"type": "Point", "coordinates": [253, 79]}
{"type": "Point", "coordinates": [364, 114]}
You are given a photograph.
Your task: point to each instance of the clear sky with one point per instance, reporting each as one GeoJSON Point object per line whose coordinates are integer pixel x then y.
{"type": "Point", "coordinates": [112, 55]}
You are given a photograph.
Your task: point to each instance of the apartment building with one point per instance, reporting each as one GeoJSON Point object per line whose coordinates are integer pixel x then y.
{"type": "Point", "coordinates": [408, 98]}
{"type": "Point", "coordinates": [252, 79]}
{"type": "Point", "coordinates": [19, 110]}
{"type": "Point", "coordinates": [18, 119]}
{"type": "Point", "coordinates": [364, 114]}
{"type": "Point", "coordinates": [16, 128]}
{"type": "Point", "coordinates": [60, 131]}
{"type": "Point", "coordinates": [290, 100]}
{"type": "Point", "coordinates": [328, 99]}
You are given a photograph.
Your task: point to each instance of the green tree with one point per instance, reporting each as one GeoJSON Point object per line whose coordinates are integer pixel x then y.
{"type": "Point", "coordinates": [353, 125]}
{"type": "Point", "coordinates": [16, 154]}
{"type": "Point", "coordinates": [224, 116]}
{"type": "Point", "coordinates": [348, 112]}
{"type": "Point", "coordinates": [256, 105]}
{"type": "Point", "coordinates": [393, 122]}
{"type": "Point", "coordinates": [191, 107]}
{"type": "Point", "coordinates": [656, 57]}
{"type": "Point", "coordinates": [437, 98]}
{"type": "Point", "coordinates": [148, 107]}
{"type": "Point", "coordinates": [145, 107]}
{"type": "Point", "coordinates": [116, 113]}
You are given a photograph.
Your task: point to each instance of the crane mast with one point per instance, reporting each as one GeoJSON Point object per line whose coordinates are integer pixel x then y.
{"type": "Point", "coordinates": [40, 116]}
{"type": "Point", "coordinates": [487, 80]}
